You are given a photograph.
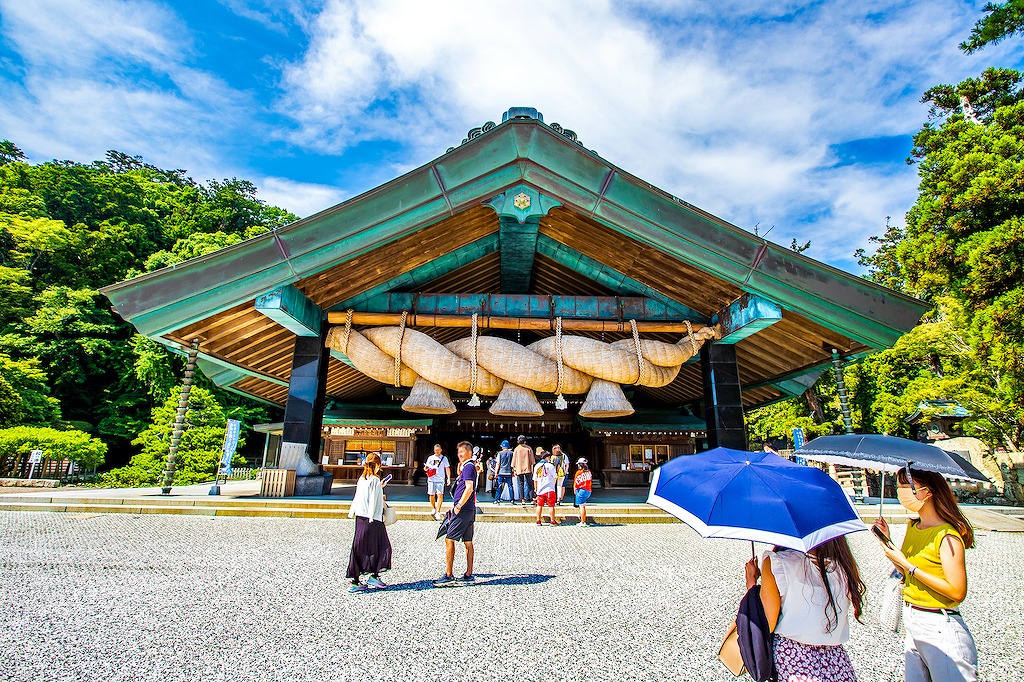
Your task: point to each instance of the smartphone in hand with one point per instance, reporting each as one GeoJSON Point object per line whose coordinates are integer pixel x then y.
{"type": "Point", "coordinates": [883, 537]}
{"type": "Point", "coordinates": [386, 480]}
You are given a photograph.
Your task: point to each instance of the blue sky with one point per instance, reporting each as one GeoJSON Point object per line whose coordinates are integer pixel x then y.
{"type": "Point", "coordinates": [794, 116]}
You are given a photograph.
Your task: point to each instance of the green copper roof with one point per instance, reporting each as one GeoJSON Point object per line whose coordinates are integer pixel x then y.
{"type": "Point", "coordinates": [518, 151]}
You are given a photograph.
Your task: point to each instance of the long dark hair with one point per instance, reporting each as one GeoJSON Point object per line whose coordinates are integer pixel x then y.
{"type": "Point", "coordinates": [945, 503]}
{"type": "Point", "coordinates": [837, 551]}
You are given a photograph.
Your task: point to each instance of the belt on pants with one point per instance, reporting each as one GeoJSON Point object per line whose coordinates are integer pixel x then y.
{"type": "Point", "coordinates": [945, 612]}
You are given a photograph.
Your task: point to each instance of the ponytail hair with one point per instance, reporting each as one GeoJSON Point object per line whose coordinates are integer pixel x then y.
{"type": "Point", "coordinates": [944, 501]}
{"type": "Point", "coordinates": [371, 465]}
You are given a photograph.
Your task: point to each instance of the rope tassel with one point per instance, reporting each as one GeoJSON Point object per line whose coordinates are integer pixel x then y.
{"type": "Point", "coordinates": [474, 371]}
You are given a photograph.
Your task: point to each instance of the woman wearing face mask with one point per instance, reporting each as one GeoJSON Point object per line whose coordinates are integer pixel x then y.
{"type": "Point", "coordinates": [939, 647]}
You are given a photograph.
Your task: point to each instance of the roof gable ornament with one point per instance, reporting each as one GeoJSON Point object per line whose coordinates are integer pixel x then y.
{"type": "Point", "coordinates": [518, 113]}
{"type": "Point", "coordinates": [522, 203]}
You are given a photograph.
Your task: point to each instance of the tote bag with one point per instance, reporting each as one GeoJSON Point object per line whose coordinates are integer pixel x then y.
{"type": "Point", "coordinates": [892, 602]}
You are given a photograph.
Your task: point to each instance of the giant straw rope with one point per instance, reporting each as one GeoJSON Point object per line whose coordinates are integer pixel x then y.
{"type": "Point", "coordinates": [492, 366]}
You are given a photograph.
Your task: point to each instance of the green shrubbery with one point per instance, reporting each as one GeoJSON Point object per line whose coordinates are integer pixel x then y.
{"type": "Point", "coordinates": [198, 453]}
{"type": "Point", "coordinates": [76, 446]}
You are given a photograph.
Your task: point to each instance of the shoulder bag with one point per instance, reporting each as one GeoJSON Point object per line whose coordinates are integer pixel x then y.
{"type": "Point", "coordinates": [892, 602]}
{"type": "Point", "coordinates": [389, 516]}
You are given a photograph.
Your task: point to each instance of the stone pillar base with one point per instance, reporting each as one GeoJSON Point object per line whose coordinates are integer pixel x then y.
{"type": "Point", "coordinates": [314, 485]}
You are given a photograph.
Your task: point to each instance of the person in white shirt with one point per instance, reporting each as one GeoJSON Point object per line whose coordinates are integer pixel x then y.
{"type": "Point", "coordinates": [371, 548]}
{"type": "Point", "coordinates": [808, 599]}
{"type": "Point", "coordinates": [439, 474]}
{"type": "Point", "coordinates": [544, 477]}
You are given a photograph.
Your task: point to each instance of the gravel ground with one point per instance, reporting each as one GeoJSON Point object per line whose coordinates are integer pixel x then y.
{"type": "Point", "coordinates": [120, 597]}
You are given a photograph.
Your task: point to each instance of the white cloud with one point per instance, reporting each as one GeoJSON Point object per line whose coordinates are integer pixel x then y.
{"type": "Point", "coordinates": [301, 198]}
{"type": "Point", "coordinates": [733, 106]}
{"type": "Point", "coordinates": [733, 114]}
{"type": "Point", "coordinates": [75, 33]}
{"type": "Point", "coordinates": [104, 74]}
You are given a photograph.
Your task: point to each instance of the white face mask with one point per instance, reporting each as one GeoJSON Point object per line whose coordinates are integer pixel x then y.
{"type": "Point", "coordinates": [909, 500]}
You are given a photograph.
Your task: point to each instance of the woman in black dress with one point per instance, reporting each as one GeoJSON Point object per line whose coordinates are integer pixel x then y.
{"type": "Point", "coordinates": [371, 548]}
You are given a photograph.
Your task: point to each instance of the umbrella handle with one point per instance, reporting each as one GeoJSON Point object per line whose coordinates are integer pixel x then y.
{"type": "Point", "coordinates": [881, 495]}
{"type": "Point", "coordinates": [753, 555]}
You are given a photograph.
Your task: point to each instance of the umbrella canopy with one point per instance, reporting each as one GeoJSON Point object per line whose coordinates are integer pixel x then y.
{"type": "Point", "coordinates": [885, 453]}
{"type": "Point", "coordinates": [754, 496]}
{"type": "Point", "coordinates": [974, 472]}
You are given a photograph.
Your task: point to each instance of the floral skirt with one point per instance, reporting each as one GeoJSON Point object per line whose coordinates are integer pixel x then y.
{"type": "Point", "coordinates": [796, 662]}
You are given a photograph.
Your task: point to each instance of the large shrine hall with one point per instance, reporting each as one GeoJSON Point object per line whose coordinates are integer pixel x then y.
{"type": "Point", "coordinates": [519, 283]}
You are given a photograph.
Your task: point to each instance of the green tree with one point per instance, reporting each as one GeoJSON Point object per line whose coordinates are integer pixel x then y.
{"type": "Point", "coordinates": [963, 244]}
{"type": "Point", "coordinates": [67, 228]}
{"type": "Point", "coordinates": [27, 394]}
{"type": "Point", "coordinates": [198, 453]}
{"type": "Point", "coordinates": [9, 153]}
{"type": "Point", "coordinates": [936, 360]}
{"type": "Point", "coordinates": [1004, 19]}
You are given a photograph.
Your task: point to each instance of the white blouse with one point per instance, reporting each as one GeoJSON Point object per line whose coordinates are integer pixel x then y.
{"type": "Point", "coordinates": [802, 617]}
{"type": "Point", "coordinates": [369, 499]}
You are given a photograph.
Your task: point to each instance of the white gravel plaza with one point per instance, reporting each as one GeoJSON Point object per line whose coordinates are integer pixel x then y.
{"type": "Point", "coordinates": [151, 597]}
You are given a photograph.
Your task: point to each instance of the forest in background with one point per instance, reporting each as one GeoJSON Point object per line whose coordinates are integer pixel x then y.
{"type": "Point", "coordinates": [69, 365]}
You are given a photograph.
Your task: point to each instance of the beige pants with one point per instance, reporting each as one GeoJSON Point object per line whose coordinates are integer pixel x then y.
{"type": "Point", "coordinates": [939, 648]}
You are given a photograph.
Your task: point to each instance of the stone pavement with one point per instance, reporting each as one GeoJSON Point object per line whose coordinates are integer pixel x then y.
{"type": "Point", "coordinates": [156, 597]}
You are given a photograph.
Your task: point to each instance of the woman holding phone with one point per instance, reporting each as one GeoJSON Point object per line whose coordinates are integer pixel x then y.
{"type": "Point", "coordinates": [371, 548]}
{"type": "Point", "coordinates": [938, 647]}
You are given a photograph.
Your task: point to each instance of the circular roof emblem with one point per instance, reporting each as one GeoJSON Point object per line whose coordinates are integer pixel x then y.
{"type": "Point", "coordinates": [521, 201]}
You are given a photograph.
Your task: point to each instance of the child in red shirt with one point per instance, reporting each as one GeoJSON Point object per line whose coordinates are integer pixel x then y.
{"type": "Point", "coordinates": [582, 487]}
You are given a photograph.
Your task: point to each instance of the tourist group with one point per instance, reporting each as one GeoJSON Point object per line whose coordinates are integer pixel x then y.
{"type": "Point", "coordinates": [792, 624]}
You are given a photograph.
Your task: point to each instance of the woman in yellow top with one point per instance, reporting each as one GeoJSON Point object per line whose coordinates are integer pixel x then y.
{"type": "Point", "coordinates": [939, 647]}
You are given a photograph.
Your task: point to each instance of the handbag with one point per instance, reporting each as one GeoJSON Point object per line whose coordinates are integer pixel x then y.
{"type": "Point", "coordinates": [390, 515]}
{"type": "Point", "coordinates": [729, 652]}
{"type": "Point", "coordinates": [891, 613]}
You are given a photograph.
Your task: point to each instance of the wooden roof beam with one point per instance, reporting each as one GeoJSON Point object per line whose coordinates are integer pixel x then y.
{"type": "Point", "coordinates": [290, 308]}
{"type": "Point", "coordinates": [613, 308]}
{"type": "Point", "coordinates": [519, 212]}
{"type": "Point", "coordinates": [745, 316]}
{"type": "Point", "coordinates": [523, 323]}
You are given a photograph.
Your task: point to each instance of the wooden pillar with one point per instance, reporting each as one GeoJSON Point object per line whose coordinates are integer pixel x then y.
{"type": "Point", "coordinates": [723, 401]}
{"type": "Point", "coordinates": [307, 387]}
{"type": "Point", "coordinates": [179, 418]}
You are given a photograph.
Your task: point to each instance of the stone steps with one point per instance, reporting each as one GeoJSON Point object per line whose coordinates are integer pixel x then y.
{"type": "Point", "coordinates": [1003, 520]}
{"type": "Point", "coordinates": [321, 510]}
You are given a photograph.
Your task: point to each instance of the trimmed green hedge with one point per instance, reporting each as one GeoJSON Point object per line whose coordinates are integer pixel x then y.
{"type": "Point", "coordinates": [76, 446]}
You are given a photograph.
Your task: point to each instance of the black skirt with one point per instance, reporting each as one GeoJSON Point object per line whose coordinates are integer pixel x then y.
{"type": "Point", "coordinates": [371, 549]}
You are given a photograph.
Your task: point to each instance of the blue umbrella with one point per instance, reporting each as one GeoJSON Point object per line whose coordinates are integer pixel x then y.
{"type": "Point", "coordinates": [756, 496]}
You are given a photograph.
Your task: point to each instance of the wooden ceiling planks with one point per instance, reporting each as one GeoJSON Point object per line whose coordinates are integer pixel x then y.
{"type": "Point", "coordinates": [346, 383]}
{"type": "Point", "coordinates": [551, 278]}
{"type": "Point", "coordinates": [263, 389]}
{"type": "Point", "coordinates": [376, 267]}
{"type": "Point", "coordinates": [684, 283]}
{"type": "Point", "coordinates": [686, 387]}
{"type": "Point", "coordinates": [226, 320]}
